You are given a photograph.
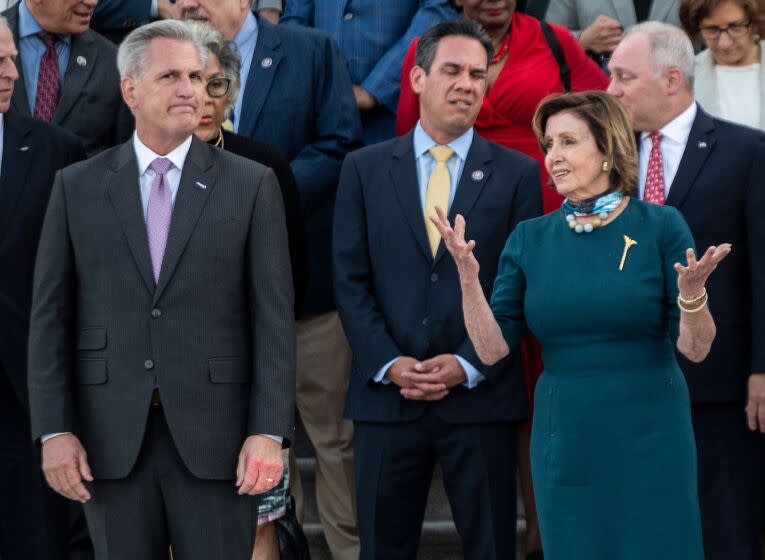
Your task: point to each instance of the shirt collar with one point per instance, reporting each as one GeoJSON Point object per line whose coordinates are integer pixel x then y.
{"type": "Point", "coordinates": [247, 34]}
{"type": "Point", "coordinates": [145, 155]}
{"type": "Point", "coordinates": [423, 142]}
{"type": "Point", "coordinates": [678, 129]}
{"type": "Point", "coordinates": [28, 25]}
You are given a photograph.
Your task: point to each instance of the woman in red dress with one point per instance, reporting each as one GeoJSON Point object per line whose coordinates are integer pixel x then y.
{"type": "Point", "coordinates": [522, 73]}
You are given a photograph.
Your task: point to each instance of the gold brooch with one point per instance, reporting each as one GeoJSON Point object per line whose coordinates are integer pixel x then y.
{"type": "Point", "coordinates": [627, 244]}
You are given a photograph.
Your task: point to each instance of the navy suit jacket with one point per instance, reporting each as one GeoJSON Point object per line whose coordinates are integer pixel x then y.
{"type": "Point", "coordinates": [32, 153]}
{"type": "Point", "coordinates": [395, 299]}
{"type": "Point", "coordinates": [720, 190]}
{"type": "Point", "coordinates": [299, 98]}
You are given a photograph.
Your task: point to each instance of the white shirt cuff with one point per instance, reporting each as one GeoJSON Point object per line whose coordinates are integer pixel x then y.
{"type": "Point", "coordinates": [278, 439]}
{"type": "Point", "coordinates": [46, 437]}
{"type": "Point", "coordinates": [382, 375]}
{"type": "Point", "coordinates": [154, 9]}
{"type": "Point", "coordinates": [474, 377]}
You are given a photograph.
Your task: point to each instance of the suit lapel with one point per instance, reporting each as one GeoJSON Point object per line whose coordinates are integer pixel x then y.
{"type": "Point", "coordinates": [260, 77]}
{"type": "Point", "coordinates": [475, 174]}
{"type": "Point", "coordinates": [403, 172]}
{"type": "Point", "coordinates": [82, 60]}
{"type": "Point", "coordinates": [19, 101]}
{"type": "Point", "coordinates": [700, 144]}
{"type": "Point", "coordinates": [18, 152]}
{"type": "Point", "coordinates": [659, 10]}
{"type": "Point", "coordinates": [626, 12]}
{"type": "Point", "coordinates": [124, 192]}
{"type": "Point", "coordinates": [197, 180]}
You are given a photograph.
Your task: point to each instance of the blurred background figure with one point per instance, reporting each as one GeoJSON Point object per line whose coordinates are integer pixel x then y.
{"type": "Point", "coordinates": [373, 35]}
{"type": "Point", "coordinates": [730, 73]}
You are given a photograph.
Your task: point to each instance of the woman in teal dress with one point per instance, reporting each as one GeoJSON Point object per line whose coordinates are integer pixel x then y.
{"type": "Point", "coordinates": [600, 284]}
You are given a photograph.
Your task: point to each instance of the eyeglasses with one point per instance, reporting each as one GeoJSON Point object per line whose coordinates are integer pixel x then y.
{"type": "Point", "coordinates": [218, 86]}
{"type": "Point", "coordinates": [734, 30]}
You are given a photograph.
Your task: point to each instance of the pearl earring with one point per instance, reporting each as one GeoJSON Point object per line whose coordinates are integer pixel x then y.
{"type": "Point", "coordinates": [604, 167]}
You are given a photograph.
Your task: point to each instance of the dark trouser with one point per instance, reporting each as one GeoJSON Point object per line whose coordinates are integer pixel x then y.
{"type": "Point", "coordinates": [34, 520]}
{"type": "Point", "coordinates": [161, 504]}
{"type": "Point", "coordinates": [394, 467]}
{"type": "Point", "coordinates": [730, 463]}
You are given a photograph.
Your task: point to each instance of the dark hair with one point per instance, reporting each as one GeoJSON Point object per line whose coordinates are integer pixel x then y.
{"type": "Point", "coordinates": [693, 11]}
{"type": "Point", "coordinates": [428, 43]}
{"type": "Point", "coordinates": [609, 124]}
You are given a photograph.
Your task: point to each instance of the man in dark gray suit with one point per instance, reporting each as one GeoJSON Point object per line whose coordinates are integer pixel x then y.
{"type": "Point", "coordinates": [162, 339]}
{"type": "Point", "coordinates": [68, 73]}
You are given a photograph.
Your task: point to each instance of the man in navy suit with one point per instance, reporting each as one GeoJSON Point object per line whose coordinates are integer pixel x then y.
{"type": "Point", "coordinates": [297, 96]}
{"type": "Point", "coordinates": [418, 393]}
{"type": "Point", "coordinates": [30, 154]}
{"type": "Point", "coordinates": [712, 171]}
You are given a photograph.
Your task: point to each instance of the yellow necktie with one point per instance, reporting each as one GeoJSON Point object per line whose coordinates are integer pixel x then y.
{"type": "Point", "coordinates": [437, 193]}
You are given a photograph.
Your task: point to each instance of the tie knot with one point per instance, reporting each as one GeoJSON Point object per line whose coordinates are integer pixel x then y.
{"type": "Point", "coordinates": [441, 153]}
{"type": "Point", "coordinates": [161, 165]}
{"type": "Point", "coordinates": [48, 38]}
{"type": "Point", "coordinates": [655, 137]}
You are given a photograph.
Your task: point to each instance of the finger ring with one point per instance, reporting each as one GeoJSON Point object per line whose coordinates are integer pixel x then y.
{"type": "Point", "coordinates": [269, 480]}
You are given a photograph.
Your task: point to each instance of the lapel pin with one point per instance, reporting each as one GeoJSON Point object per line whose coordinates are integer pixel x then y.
{"type": "Point", "coordinates": [201, 185]}
{"type": "Point", "coordinates": [266, 62]}
{"type": "Point", "coordinates": [82, 61]}
{"type": "Point", "coordinates": [477, 175]}
{"type": "Point", "coordinates": [702, 145]}
{"type": "Point", "coordinates": [627, 244]}
{"type": "Point", "coordinates": [24, 148]}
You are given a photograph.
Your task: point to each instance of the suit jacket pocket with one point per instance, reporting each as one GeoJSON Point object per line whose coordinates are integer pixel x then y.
{"type": "Point", "coordinates": [92, 338]}
{"type": "Point", "coordinates": [230, 370]}
{"type": "Point", "coordinates": [92, 372]}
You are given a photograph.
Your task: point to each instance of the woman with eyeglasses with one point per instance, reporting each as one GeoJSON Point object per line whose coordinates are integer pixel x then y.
{"type": "Point", "coordinates": [222, 77]}
{"type": "Point", "coordinates": [730, 79]}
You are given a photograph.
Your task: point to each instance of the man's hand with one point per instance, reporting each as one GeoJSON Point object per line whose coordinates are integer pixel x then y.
{"type": "Point", "coordinates": [602, 35]}
{"type": "Point", "coordinates": [260, 465]}
{"type": "Point", "coordinates": [405, 374]}
{"type": "Point", "coordinates": [364, 100]}
{"type": "Point", "coordinates": [168, 10]}
{"type": "Point", "coordinates": [270, 14]}
{"type": "Point", "coordinates": [434, 378]}
{"type": "Point", "coordinates": [755, 406]}
{"type": "Point", "coordinates": [65, 465]}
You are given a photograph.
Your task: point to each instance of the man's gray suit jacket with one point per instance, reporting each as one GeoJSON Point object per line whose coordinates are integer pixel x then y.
{"type": "Point", "coordinates": [578, 15]}
{"type": "Point", "coordinates": [91, 104]}
{"type": "Point", "coordinates": [215, 335]}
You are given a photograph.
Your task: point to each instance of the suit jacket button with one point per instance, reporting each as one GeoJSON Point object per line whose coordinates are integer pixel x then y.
{"type": "Point", "coordinates": [148, 364]}
{"type": "Point", "coordinates": [155, 313]}
{"type": "Point", "coordinates": [425, 322]}
{"type": "Point", "coordinates": [434, 277]}
{"type": "Point", "coordinates": [348, 16]}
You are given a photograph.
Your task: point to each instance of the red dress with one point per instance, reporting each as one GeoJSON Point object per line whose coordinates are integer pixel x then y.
{"type": "Point", "coordinates": [530, 74]}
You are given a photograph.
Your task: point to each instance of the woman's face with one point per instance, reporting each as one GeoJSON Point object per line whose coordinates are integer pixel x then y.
{"type": "Point", "coordinates": [214, 107]}
{"type": "Point", "coordinates": [573, 160]}
{"type": "Point", "coordinates": [489, 13]}
{"type": "Point", "coordinates": [729, 34]}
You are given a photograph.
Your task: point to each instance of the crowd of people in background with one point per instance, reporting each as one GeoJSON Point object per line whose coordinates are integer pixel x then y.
{"type": "Point", "coordinates": [389, 217]}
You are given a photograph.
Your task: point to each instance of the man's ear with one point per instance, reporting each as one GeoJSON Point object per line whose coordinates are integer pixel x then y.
{"type": "Point", "coordinates": [417, 78]}
{"type": "Point", "coordinates": [674, 80]}
{"type": "Point", "coordinates": [127, 87]}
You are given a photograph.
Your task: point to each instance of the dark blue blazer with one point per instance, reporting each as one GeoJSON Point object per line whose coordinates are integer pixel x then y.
{"type": "Point", "coordinates": [395, 299]}
{"type": "Point", "coordinates": [299, 98]}
{"type": "Point", "coordinates": [116, 18]}
{"type": "Point", "coordinates": [32, 153]}
{"type": "Point", "coordinates": [720, 190]}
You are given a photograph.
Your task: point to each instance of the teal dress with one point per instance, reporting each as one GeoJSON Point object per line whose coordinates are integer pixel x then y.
{"type": "Point", "coordinates": [612, 450]}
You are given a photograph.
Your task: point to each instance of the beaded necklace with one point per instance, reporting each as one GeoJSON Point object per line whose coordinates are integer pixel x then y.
{"type": "Point", "coordinates": [503, 49]}
{"type": "Point", "coordinates": [601, 205]}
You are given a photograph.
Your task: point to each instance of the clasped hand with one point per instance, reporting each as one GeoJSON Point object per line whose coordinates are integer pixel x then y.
{"type": "Point", "coordinates": [428, 380]}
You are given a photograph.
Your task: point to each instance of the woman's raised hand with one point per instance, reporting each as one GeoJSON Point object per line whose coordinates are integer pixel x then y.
{"type": "Point", "coordinates": [454, 239]}
{"type": "Point", "coordinates": [691, 279]}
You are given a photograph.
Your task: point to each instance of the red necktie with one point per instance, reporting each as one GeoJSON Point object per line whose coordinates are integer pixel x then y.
{"type": "Point", "coordinates": [654, 179]}
{"type": "Point", "coordinates": [48, 80]}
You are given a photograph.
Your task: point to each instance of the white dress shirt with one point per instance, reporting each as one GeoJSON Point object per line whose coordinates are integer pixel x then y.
{"type": "Point", "coordinates": [674, 137]}
{"type": "Point", "coordinates": [739, 90]}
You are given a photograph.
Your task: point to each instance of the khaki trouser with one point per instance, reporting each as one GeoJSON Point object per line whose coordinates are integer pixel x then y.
{"type": "Point", "coordinates": [323, 370]}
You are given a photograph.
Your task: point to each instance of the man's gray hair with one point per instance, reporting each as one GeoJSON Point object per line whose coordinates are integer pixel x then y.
{"type": "Point", "coordinates": [132, 57]}
{"type": "Point", "coordinates": [227, 54]}
{"type": "Point", "coordinates": [669, 47]}
{"type": "Point", "coordinates": [4, 22]}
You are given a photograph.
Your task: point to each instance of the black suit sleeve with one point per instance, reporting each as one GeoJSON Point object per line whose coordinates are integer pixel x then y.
{"type": "Point", "coordinates": [364, 325]}
{"type": "Point", "coordinates": [756, 234]}
{"type": "Point", "coordinates": [51, 324]}
{"type": "Point", "coordinates": [527, 204]}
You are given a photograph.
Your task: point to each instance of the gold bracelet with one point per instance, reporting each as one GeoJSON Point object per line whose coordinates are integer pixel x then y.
{"type": "Point", "coordinates": [693, 301]}
{"type": "Point", "coordinates": [681, 303]}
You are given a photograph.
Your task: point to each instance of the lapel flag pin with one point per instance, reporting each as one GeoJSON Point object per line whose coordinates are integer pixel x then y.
{"type": "Point", "coordinates": [702, 145]}
{"type": "Point", "coordinates": [82, 61]}
{"type": "Point", "coordinates": [266, 62]}
{"type": "Point", "coordinates": [201, 185]}
{"type": "Point", "coordinates": [477, 175]}
{"type": "Point", "coordinates": [24, 148]}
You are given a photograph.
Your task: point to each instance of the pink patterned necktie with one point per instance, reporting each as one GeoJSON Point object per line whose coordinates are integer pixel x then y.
{"type": "Point", "coordinates": [158, 213]}
{"type": "Point", "coordinates": [654, 179]}
{"type": "Point", "coordinates": [48, 80]}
